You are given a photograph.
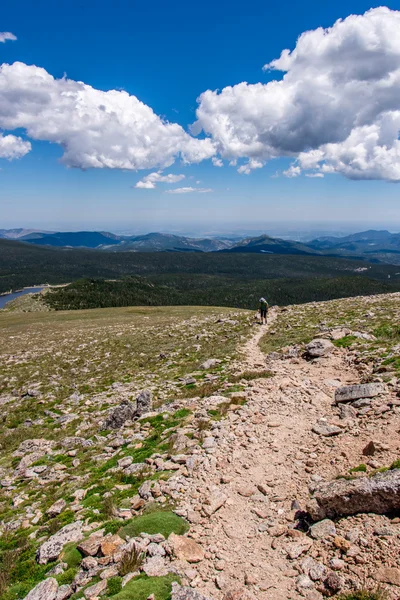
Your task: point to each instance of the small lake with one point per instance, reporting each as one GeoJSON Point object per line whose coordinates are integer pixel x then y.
{"type": "Point", "coordinates": [8, 297]}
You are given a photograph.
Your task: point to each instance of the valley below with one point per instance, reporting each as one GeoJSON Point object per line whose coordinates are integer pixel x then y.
{"type": "Point", "coordinates": [189, 453]}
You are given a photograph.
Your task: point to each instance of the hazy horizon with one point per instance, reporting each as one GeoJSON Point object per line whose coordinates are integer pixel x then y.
{"type": "Point", "coordinates": [290, 230]}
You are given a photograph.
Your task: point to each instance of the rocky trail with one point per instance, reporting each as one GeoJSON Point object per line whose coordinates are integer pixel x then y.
{"type": "Point", "coordinates": [245, 501]}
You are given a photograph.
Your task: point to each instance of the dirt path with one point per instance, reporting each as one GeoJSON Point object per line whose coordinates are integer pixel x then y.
{"type": "Point", "coordinates": [252, 357]}
{"type": "Point", "coordinates": [259, 464]}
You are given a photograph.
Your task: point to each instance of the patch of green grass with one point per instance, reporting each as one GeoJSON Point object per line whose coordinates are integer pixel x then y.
{"type": "Point", "coordinates": [387, 331]}
{"type": "Point", "coordinates": [71, 555]}
{"type": "Point", "coordinates": [67, 577]}
{"type": "Point", "coordinates": [362, 468]}
{"type": "Point", "coordinates": [395, 464]}
{"type": "Point", "coordinates": [112, 526]}
{"type": "Point", "coordinates": [140, 588]}
{"type": "Point", "coordinates": [182, 413]}
{"type": "Point", "coordinates": [114, 586]}
{"type": "Point", "coordinates": [345, 342]}
{"type": "Point", "coordinates": [158, 521]}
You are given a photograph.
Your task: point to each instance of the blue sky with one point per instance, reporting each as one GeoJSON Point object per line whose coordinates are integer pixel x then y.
{"type": "Point", "coordinates": [167, 54]}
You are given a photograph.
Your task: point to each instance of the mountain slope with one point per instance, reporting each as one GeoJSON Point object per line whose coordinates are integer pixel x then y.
{"type": "Point", "coordinates": [158, 242]}
{"type": "Point", "coordinates": [368, 242]}
{"type": "Point", "coordinates": [76, 239]}
{"type": "Point", "coordinates": [269, 245]}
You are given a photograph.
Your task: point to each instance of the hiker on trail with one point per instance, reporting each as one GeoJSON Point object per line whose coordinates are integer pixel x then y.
{"type": "Point", "coordinates": [263, 311]}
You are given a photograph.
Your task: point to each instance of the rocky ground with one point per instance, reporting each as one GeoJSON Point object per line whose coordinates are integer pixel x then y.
{"type": "Point", "coordinates": [268, 469]}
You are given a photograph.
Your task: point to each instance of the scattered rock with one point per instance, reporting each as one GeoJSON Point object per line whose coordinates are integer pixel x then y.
{"type": "Point", "coordinates": [319, 347]}
{"type": "Point", "coordinates": [110, 544]}
{"type": "Point", "coordinates": [323, 530]}
{"type": "Point", "coordinates": [388, 575]}
{"type": "Point", "coordinates": [95, 590]}
{"type": "Point", "coordinates": [185, 548]}
{"type": "Point", "coordinates": [186, 593]}
{"type": "Point", "coordinates": [349, 393]}
{"type": "Point", "coordinates": [323, 428]}
{"type": "Point", "coordinates": [45, 590]}
{"type": "Point", "coordinates": [210, 363]}
{"type": "Point", "coordinates": [56, 508]}
{"type": "Point", "coordinates": [369, 449]}
{"type": "Point", "coordinates": [143, 403]}
{"type": "Point", "coordinates": [155, 567]}
{"type": "Point", "coordinates": [91, 545]}
{"type": "Point", "coordinates": [379, 494]}
{"type": "Point", "coordinates": [214, 502]}
{"type": "Point", "coordinates": [51, 549]}
{"type": "Point", "coordinates": [126, 411]}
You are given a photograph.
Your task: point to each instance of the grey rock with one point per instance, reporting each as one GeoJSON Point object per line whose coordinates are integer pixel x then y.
{"type": "Point", "coordinates": [155, 567]}
{"type": "Point", "coordinates": [186, 593]}
{"type": "Point", "coordinates": [45, 590]}
{"type": "Point", "coordinates": [323, 529]}
{"type": "Point", "coordinates": [319, 347]}
{"type": "Point", "coordinates": [347, 411]}
{"type": "Point", "coordinates": [326, 430]}
{"type": "Point", "coordinates": [126, 411]}
{"type": "Point", "coordinates": [38, 445]}
{"type": "Point", "coordinates": [348, 393]}
{"type": "Point", "coordinates": [379, 494]}
{"type": "Point", "coordinates": [208, 364]}
{"type": "Point", "coordinates": [51, 549]}
{"type": "Point", "coordinates": [56, 508]}
{"type": "Point", "coordinates": [143, 403]}
{"type": "Point", "coordinates": [303, 582]}
{"type": "Point", "coordinates": [135, 468]}
{"type": "Point", "coordinates": [145, 490]}
{"type": "Point", "coordinates": [179, 442]}
{"type": "Point", "coordinates": [73, 442]}
{"type": "Point", "coordinates": [95, 590]}
{"type": "Point", "coordinates": [64, 592]}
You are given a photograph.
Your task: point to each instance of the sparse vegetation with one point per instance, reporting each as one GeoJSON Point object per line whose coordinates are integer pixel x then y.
{"type": "Point", "coordinates": [140, 588]}
{"type": "Point", "coordinates": [157, 521]}
{"type": "Point", "coordinates": [130, 562]}
{"type": "Point", "coordinates": [378, 594]}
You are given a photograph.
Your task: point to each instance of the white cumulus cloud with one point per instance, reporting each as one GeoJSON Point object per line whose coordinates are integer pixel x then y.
{"type": "Point", "coordinates": [96, 129]}
{"type": "Point", "coordinates": [12, 147]}
{"type": "Point", "coordinates": [336, 109]}
{"type": "Point", "coordinates": [189, 190]}
{"type": "Point", "coordinates": [149, 182]}
{"type": "Point", "coordinates": [7, 36]}
{"type": "Point", "coordinates": [292, 171]}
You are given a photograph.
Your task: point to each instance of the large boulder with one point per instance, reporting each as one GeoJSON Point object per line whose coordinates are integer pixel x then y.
{"type": "Point", "coordinates": [45, 590]}
{"type": "Point", "coordinates": [319, 347]}
{"type": "Point", "coordinates": [348, 393]}
{"type": "Point", "coordinates": [126, 411]}
{"type": "Point", "coordinates": [379, 494]}
{"type": "Point", "coordinates": [143, 403]}
{"type": "Point", "coordinates": [52, 548]}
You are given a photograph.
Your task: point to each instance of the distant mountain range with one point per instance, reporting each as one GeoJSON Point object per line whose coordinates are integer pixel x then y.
{"type": "Point", "coordinates": [372, 245]}
{"type": "Point", "coordinates": [269, 245]}
{"type": "Point", "coordinates": [103, 240]}
{"type": "Point", "coordinates": [365, 242]}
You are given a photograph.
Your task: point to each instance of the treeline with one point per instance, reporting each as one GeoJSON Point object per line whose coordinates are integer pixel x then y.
{"type": "Point", "coordinates": [137, 291]}
{"type": "Point", "coordinates": [26, 265]}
